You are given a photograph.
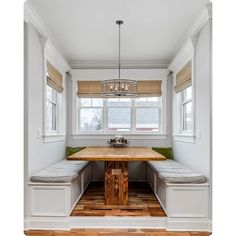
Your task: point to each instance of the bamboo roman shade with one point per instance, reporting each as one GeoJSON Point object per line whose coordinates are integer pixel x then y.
{"type": "Point", "coordinates": [93, 89]}
{"type": "Point", "coordinates": [149, 88]}
{"type": "Point", "coordinates": [89, 89]}
{"type": "Point", "coordinates": [184, 78]}
{"type": "Point", "coordinates": [54, 78]}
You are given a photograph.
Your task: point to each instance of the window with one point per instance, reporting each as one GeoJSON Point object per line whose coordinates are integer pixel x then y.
{"type": "Point", "coordinates": [52, 107]}
{"type": "Point", "coordinates": [90, 114]}
{"type": "Point", "coordinates": [148, 114]}
{"type": "Point", "coordinates": [117, 115]}
{"type": "Point", "coordinates": [186, 110]}
{"type": "Point", "coordinates": [54, 104]}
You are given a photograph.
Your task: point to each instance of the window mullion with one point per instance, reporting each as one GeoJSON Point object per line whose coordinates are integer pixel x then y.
{"type": "Point", "coordinates": [133, 116]}
{"type": "Point", "coordinates": [105, 116]}
{"type": "Point", "coordinates": [186, 101]}
{"type": "Point", "coordinates": [78, 120]}
{"type": "Point", "coordinates": [56, 114]}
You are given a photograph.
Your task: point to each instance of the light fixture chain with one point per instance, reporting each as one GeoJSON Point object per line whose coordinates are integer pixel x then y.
{"type": "Point", "coordinates": [119, 51]}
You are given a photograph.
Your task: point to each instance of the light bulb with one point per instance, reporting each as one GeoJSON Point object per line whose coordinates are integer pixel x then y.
{"type": "Point", "coordinates": [111, 87]}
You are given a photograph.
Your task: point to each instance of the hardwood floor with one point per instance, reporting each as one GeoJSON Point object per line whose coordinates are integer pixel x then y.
{"type": "Point", "coordinates": [115, 232]}
{"type": "Point", "coordinates": [141, 202]}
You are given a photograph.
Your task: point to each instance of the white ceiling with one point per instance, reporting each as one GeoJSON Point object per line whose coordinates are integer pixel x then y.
{"type": "Point", "coordinates": [87, 31]}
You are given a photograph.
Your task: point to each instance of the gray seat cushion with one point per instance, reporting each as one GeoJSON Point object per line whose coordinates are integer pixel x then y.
{"type": "Point", "coordinates": [54, 177]}
{"type": "Point", "coordinates": [174, 172]}
{"type": "Point", "coordinates": [62, 172]}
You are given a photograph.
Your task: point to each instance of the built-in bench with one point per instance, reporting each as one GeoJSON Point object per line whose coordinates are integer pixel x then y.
{"type": "Point", "coordinates": [182, 193]}
{"type": "Point", "coordinates": [54, 191]}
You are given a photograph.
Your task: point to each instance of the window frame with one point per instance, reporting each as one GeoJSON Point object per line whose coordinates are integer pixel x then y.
{"type": "Point", "coordinates": [59, 134]}
{"type": "Point", "coordinates": [56, 110]}
{"type": "Point", "coordinates": [178, 133]}
{"type": "Point", "coordinates": [184, 102]}
{"type": "Point", "coordinates": [78, 115]}
{"type": "Point", "coordinates": [106, 130]}
{"type": "Point", "coordinates": [160, 118]}
{"type": "Point", "coordinates": [75, 135]}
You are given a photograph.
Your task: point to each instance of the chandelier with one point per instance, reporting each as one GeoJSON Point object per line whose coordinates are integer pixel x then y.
{"type": "Point", "coordinates": [119, 87]}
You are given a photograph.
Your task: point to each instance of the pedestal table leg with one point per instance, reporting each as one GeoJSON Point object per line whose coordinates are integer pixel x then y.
{"type": "Point", "coordinates": [116, 182]}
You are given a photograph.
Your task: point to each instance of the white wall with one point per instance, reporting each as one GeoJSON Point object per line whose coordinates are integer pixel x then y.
{"type": "Point", "coordinates": [198, 155]}
{"type": "Point", "coordinates": [137, 170]}
{"type": "Point", "coordinates": [39, 154]}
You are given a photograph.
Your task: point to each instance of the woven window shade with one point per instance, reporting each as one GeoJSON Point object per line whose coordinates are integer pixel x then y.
{"type": "Point", "coordinates": [89, 89]}
{"type": "Point", "coordinates": [93, 89]}
{"type": "Point", "coordinates": [54, 78]}
{"type": "Point", "coordinates": [149, 88]}
{"type": "Point", "coordinates": [184, 78]}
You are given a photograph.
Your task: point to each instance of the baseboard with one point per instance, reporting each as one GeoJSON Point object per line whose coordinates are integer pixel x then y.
{"type": "Point", "coordinates": [188, 225]}
{"type": "Point", "coordinates": [130, 222]}
{"type": "Point", "coordinates": [119, 222]}
{"type": "Point", "coordinates": [47, 224]}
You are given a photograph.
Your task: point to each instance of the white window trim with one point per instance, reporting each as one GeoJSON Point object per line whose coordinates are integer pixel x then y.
{"type": "Point", "coordinates": [106, 131]}
{"type": "Point", "coordinates": [185, 54]}
{"type": "Point", "coordinates": [179, 134]}
{"type": "Point", "coordinates": [106, 135]}
{"type": "Point", "coordinates": [181, 104]}
{"type": "Point", "coordinates": [134, 113]}
{"type": "Point", "coordinates": [52, 56]}
{"type": "Point", "coordinates": [127, 135]}
{"type": "Point", "coordinates": [55, 103]}
{"type": "Point", "coordinates": [78, 113]}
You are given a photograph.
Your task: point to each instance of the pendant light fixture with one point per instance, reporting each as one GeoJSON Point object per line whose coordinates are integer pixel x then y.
{"type": "Point", "coordinates": [119, 87]}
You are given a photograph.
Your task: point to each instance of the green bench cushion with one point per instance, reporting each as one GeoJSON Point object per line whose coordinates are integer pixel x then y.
{"type": "Point", "coordinates": [72, 150]}
{"type": "Point", "coordinates": [166, 152]}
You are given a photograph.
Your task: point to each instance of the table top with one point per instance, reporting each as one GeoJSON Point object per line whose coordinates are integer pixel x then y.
{"type": "Point", "coordinates": [117, 154]}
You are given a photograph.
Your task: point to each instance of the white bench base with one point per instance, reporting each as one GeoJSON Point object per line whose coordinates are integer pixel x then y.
{"type": "Point", "coordinates": [57, 199]}
{"type": "Point", "coordinates": [183, 214]}
{"type": "Point", "coordinates": [186, 205]}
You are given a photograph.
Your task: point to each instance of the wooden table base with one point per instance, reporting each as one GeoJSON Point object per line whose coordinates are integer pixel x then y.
{"type": "Point", "coordinates": [116, 182]}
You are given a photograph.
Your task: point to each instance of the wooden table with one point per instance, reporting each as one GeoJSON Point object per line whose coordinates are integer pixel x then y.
{"type": "Point", "coordinates": [116, 167]}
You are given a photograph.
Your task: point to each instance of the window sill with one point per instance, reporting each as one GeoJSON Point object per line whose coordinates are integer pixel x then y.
{"type": "Point", "coordinates": [54, 137]}
{"type": "Point", "coordinates": [184, 137]}
{"type": "Point", "coordinates": [138, 136]}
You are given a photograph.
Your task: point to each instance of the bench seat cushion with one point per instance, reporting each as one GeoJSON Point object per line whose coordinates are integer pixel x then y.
{"type": "Point", "coordinates": [174, 172]}
{"type": "Point", "coordinates": [54, 177]}
{"type": "Point", "coordinates": [165, 151]}
{"type": "Point", "coordinates": [62, 172]}
{"type": "Point", "coordinates": [69, 165]}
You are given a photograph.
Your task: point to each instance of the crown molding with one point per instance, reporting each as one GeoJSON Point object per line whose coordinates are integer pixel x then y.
{"type": "Point", "coordinates": [185, 53]}
{"type": "Point", "coordinates": [31, 16]}
{"type": "Point", "coordinates": [102, 74]}
{"type": "Point", "coordinates": [193, 30]}
{"type": "Point", "coordinates": [134, 64]}
{"type": "Point", "coordinates": [55, 57]}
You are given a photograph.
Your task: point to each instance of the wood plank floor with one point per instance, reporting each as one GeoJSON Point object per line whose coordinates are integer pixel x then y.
{"type": "Point", "coordinates": [141, 202]}
{"type": "Point", "coordinates": [114, 232]}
